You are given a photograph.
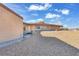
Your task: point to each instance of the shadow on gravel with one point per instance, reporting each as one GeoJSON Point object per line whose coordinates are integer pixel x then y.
{"type": "Point", "coordinates": [14, 41]}
{"type": "Point", "coordinates": [57, 41]}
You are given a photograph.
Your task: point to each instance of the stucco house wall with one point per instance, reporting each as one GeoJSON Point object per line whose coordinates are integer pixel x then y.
{"type": "Point", "coordinates": [11, 24]}
{"type": "Point", "coordinates": [44, 27]}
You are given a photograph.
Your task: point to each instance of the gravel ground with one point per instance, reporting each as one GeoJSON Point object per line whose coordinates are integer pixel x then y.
{"type": "Point", "coordinates": [36, 45]}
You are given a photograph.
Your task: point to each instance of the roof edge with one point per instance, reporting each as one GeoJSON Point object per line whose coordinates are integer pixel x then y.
{"type": "Point", "coordinates": [45, 23]}
{"type": "Point", "coordinates": [10, 10]}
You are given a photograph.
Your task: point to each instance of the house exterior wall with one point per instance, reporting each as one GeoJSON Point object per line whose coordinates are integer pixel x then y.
{"type": "Point", "coordinates": [11, 26]}
{"type": "Point", "coordinates": [47, 27]}
{"type": "Point", "coordinates": [56, 28]}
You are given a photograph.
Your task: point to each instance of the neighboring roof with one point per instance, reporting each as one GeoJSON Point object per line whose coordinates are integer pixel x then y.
{"type": "Point", "coordinates": [43, 24]}
{"type": "Point", "coordinates": [10, 10]}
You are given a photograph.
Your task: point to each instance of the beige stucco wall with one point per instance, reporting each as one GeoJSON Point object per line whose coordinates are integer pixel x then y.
{"type": "Point", "coordinates": [69, 37]}
{"type": "Point", "coordinates": [26, 27]}
{"type": "Point", "coordinates": [33, 27]}
{"type": "Point", "coordinates": [11, 26]}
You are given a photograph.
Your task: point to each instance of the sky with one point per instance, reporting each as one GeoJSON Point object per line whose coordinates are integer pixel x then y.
{"type": "Point", "coordinates": [66, 14]}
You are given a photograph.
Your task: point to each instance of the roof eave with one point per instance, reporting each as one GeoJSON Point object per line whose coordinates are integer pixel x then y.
{"type": "Point", "coordinates": [10, 10]}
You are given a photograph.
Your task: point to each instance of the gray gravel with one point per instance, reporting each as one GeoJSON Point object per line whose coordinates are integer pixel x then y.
{"type": "Point", "coordinates": [36, 45]}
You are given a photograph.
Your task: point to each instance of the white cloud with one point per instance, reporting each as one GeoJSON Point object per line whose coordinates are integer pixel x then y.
{"type": "Point", "coordinates": [47, 5]}
{"type": "Point", "coordinates": [50, 15]}
{"type": "Point", "coordinates": [63, 11]}
{"type": "Point", "coordinates": [31, 21]}
{"type": "Point", "coordinates": [65, 25]}
{"type": "Point", "coordinates": [39, 7]}
{"type": "Point", "coordinates": [34, 21]}
{"type": "Point", "coordinates": [57, 10]}
{"type": "Point", "coordinates": [40, 19]}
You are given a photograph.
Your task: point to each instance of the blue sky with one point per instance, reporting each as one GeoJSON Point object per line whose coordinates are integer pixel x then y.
{"type": "Point", "coordinates": [66, 14]}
